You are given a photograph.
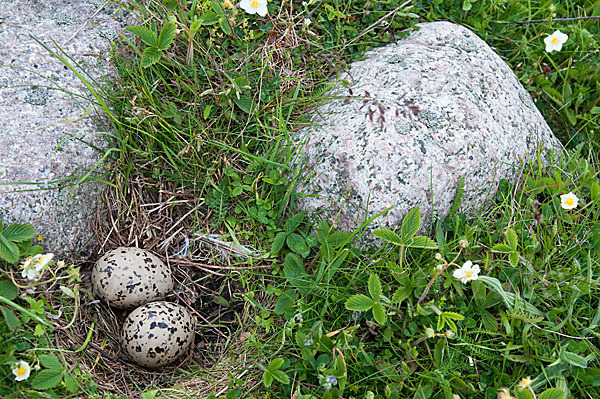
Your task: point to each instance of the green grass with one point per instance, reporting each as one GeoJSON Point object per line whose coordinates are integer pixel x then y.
{"type": "Point", "coordinates": [208, 108]}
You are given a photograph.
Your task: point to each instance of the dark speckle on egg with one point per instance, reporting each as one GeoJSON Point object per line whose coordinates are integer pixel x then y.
{"type": "Point", "coordinates": [172, 333]}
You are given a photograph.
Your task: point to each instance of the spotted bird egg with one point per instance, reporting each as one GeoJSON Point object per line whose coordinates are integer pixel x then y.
{"type": "Point", "coordinates": [130, 277]}
{"type": "Point", "coordinates": [157, 333]}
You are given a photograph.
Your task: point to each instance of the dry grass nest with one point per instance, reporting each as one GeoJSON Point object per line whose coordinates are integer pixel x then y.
{"type": "Point", "coordinates": [156, 217]}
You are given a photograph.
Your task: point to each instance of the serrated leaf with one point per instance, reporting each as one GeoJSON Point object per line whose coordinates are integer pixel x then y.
{"type": "Point", "coordinates": [150, 56]}
{"type": "Point", "coordinates": [410, 224]}
{"type": "Point", "coordinates": [167, 36]}
{"type": "Point", "coordinates": [217, 8]}
{"type": "Point", "coordinates": [144, 33]}
{"type": "Point", "coordinates": [267, 379]}
{"type": "Point", "coordinates": [513, 258]}
{"type": "Point", "coordinates": [489, 322]}
{"type": "Point", "coordinates": [511, 238]}
{"type": "Point", "coordinates": [51, 362]}
{"type": "Point", "coordinates": [17, 232]}
{"type": "Point", "coordinates": [297, 244]}
{"type": "Point", "coordinates": [421, 242]}
{"type": "Point", "coordinates": [379, 313]}
{"type": "Point", "coordinates": [225, 27]}
{"type": "Point", "coordinates": [388, 235]}
{"type": "Point", "coordinates": [292, 223]}
{"type": "Point", "coordinates": [281, 377]}
{"type": "Point", "coordinates": [359, 302]}
{"type": "Point", "coordinates": [275, 364]}
{"type": "Point", "coordinates": [293, 270]}
{"type": "Point", "coordinates": [552, 393]}
{"type": "Point", "coordinates": [338, 239]}
{"type": "Point", "coordinates": [508, 297]}
{"type": "Point", "coordinates": [278, 243]}
{"type": "Point", "coordinates": [209, 18]}
{"type": "Point", "coordinates": [242, 81]}
{"type": "Point", "coordinates": [46, 379]}
{"type": "Point", "coordinates": [8, 251]}
{"type": "Point", "coordinates": [71, 384]}
{"type": "Point", "coordinates": [502, 248]}
{"type": "Point", "coordinates": [374, 286]}
{"type": "Point", "coordinates": [453, 315]}
{"type": "Point", "coordinates": [39, 330]}
{"type": "Point", "coordinates": [575, 360]}
{"type": "Point", "coordinates": [401, 294]}
{"type": "Point", "coordinates": [11, 320]}
{"type": "Point", "coordinates": [8, 290]}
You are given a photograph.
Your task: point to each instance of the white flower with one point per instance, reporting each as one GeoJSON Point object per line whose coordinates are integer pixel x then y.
{"type": "Point", "coordinates": [555, 41]}
{"type": "Point", "coordinates": [21, 371]}
{"type": "Point", "coordinates": [307, 22]}
{"type": "Point", "coordinates": [34, 265]}
{"type": "Point", "coordinates": [255, 7]}
{"type": "Point", "coordinates": [467, 272]}
{"type": "Point", "coordinates": [569, 201]}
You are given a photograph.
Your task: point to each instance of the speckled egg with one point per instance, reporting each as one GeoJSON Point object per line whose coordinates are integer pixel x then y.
{"type": "Point", "coordinates": [157, 333]}
{"type": "Point", "coordinates": [130, 277]}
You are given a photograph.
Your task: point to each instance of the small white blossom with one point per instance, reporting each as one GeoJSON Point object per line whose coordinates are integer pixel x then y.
{"type": "Point", "coordinates": [254, 7]}
{"type": "Point", "coordinates": [569, 201]}
{"type": "Point", "coordinates": [467, 272]}
{"type": "Point", "coordinates": [555, 41]}
{"type": "Point", "coordinates": [33, 266]}
{"type": "Point", "coordinates": [21, 370]}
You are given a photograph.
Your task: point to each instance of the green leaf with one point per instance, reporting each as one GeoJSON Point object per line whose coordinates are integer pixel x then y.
{"type": "Point", "coordinates": [401, 294]}
{"type": "Point", "coordinates": [359, 302]}
{"type": "Point", "coordinates": [595, 110]}
{"type": "Point", "coordinates": [293, 269]}
{"type": "Point", "coordinates": [338, 239]}
{"type": "Point", "coordinates": [51, 362]}
{"type": "Point", "coordinates": [513, 258]}
{"type": "Point", "coordinates": [502, 248]}
{"type": "Point", "coordinates": [379, 313]}
{"type": "Point", "coordinates": [46, 379]}
{"type": "Point", "coordinates": [225, 27]}
{"type": "Point", "coordinates": [243, 82]}
{"type": "Point", "coordinates": [575, 360]}
{"type": "Point", "coordinates": [8, 251]}
{"type": "Point", "coordinates": [554, 95]}
{"type": "Point", "coordinates": [375, 287]}
{"type": "Point", "coordinates": [150, 56]}
{"type": "Point", "coordinates": [453, 315]}
{"type": "Point", "coordinates": [209, 18]}
{"type": "Point", "coordinates": [411, 224]}
{"type": "Point", "coordinates": [507, 297]}
{"type": "Point", "coordinates": [167, 36]}
{"type": "Point", "coordinates": [275, 364]}
{"type": "Point", "coordinates": [217, 8]}
{"type": "Point", "coordinates": [293, 223]}
{"type": "Point", "coordinates": [67, 291]}
{"type": "Point", "coordinates": [595, 191]}
{"type": "Point", "coordinates": [244, 102]}
{"type": "Point", "coordinates": [71, 384]}
{"type": "Point", "coordinates": [145, 34]}
{"type": "Point", "coordinates": [278, 243]}
{"type": "Point", "coordinates": [511, 238]}
{"type": "Point", "coordinates": [281, 377]}
{"type": "Point", "coordinates": [388, 235]}
{"type": "Point", "coordinates": [552, 393]}
{"type": "Point", "coordinates": [297, 244]}
{"type": "Point", "coordinates": [17, 232]}
{"type": "Point", "coordinates": [524, 393]}
{"type": "Point", "coordinates": [8, 290]}
{"type": "Point", "coordinates": [11, 320]}
{"type": "Point", "coordinates": [489, 322]}
{"type": "Point", "coordinates": [267, 379]}
{"type": "Point", "coordinates": [421, 242]}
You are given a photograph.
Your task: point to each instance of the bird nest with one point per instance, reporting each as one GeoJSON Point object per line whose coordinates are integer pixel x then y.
{"type": "Point", "coordinates": [206, 269]}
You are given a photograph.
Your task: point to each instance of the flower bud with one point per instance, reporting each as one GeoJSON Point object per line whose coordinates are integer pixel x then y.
{"type": "Point", "coordinates": [463, 243]}
{"type": "Point", "coordinates": [429, 332]}
{"type": "Point", "coordinates": [438, 256]}
{"type": "Point", "coordinates": [449, 334]}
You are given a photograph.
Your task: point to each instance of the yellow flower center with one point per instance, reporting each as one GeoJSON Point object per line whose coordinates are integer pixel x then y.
{"type": "Point", "coordinates": [570, 201]}
{"type": "Point", "coordinates": [469, 274]}
{"type": "Point", "coordinates": [254, 3]}
{"type": "Point", "coordinates": [554, 40]}
{"type": "Point", "coordinates": [21, 371]}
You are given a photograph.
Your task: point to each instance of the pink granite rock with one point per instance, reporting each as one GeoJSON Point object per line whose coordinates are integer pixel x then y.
{"type": "Point", "coordinates": [405, 124]}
